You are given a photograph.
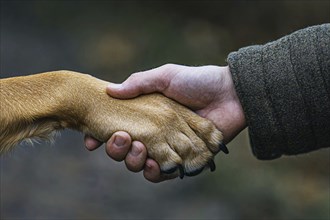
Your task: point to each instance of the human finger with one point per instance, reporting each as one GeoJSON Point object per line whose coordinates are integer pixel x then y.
{"type": "Point", "coordinates": [91, 143]}
{"type": "Point", "coordinates": [118, 145]}
{"type": "Point", "coordinates": [136, 157]}
{"type": "Point", "coordinates": [152, 172]}
{"type": "Point", "coordinates": [154, 80]}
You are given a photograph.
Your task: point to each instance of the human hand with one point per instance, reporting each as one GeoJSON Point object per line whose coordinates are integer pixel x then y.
{"type": "Point", "coordinates": [208, 90]}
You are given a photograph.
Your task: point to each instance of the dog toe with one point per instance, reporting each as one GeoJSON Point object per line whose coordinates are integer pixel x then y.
{"type": "Point", "coordinates": [194, 172]}
{"type": "Point", "coordinates": [170, 170]}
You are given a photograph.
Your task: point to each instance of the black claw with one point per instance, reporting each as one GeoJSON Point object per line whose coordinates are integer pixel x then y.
{"type": "Point", "coordinates": [181, 171]}
{"type": "Point", "coordinates": [223, 147]}
{"type": "Point", "coordinates": [211, 165]}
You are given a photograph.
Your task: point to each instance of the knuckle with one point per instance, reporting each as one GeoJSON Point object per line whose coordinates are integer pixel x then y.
{"type": "Point", "coordinates": [168, 66]}
{"type": "Point", "coordinates": [133, 77]}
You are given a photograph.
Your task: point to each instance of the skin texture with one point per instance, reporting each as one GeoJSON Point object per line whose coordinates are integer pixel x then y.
{"type": "Point", "coordinates": [207, 90]}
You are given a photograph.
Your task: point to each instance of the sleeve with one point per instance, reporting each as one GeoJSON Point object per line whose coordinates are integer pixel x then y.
{"type": "Point", "coordinates": [284, 89]}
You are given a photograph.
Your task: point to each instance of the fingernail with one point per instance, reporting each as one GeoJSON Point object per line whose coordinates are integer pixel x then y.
{"type": "Point", "coordinates": [135, 151]}
{"type": "Point", "coordinates": [87, 146]}
{"type": "Point", "coordinates": [148, 166]}
{"type": "Point", "coordinates": [114, 86]}
{"type": "Point", "coordinates": [119, 141]}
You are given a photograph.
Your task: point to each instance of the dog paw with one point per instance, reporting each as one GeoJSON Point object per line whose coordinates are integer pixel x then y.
{"type": "Point", "coordinates": [175, 137]}
{"type": "Point", "coordinates": [180, 140]}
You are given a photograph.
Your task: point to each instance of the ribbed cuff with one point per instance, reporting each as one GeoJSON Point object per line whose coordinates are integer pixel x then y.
{"type": "Point", "coordinates": [283, 91]}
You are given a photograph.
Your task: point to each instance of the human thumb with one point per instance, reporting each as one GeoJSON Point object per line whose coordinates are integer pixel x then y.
{"type": "Point", "coordinates": [133, 86]}
{"type": "Point", "coordinates": [121, 91]}
{"type": "Point", "coordinates": [150, 81]}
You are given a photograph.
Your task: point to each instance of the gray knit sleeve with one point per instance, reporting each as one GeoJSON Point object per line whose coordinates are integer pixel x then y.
{"type": "Point", "coordinates": [284, 88]}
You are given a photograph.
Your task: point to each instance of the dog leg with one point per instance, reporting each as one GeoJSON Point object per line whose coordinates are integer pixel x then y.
{"type": "Point", "coordinates": [36, 105]}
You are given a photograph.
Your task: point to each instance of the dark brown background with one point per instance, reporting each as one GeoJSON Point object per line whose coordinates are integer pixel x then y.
{"type": "Point", "coordinates": [111, 40]}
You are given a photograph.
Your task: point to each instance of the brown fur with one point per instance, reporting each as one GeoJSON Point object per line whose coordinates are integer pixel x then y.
{"type": "Point", "coordinates": [35, 106]}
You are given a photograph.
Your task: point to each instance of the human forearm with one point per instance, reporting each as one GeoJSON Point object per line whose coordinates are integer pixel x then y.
{"type": "Point", "coordinates": [284, 90]}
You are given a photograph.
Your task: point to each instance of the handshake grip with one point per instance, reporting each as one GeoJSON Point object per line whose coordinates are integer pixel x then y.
{"type": "Point", "coordinates": [37, 105]}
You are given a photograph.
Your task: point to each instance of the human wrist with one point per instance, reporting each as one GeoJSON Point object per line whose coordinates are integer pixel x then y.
{"type": "Point", "coordinates": [239, 120]}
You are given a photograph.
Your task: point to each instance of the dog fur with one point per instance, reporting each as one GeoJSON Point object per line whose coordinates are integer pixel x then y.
{"type": "Point", "coordinates": [35, 106]}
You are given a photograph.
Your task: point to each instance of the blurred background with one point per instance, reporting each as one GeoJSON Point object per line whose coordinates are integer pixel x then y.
{"type": "Point", "coordinates": [111, 40]}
